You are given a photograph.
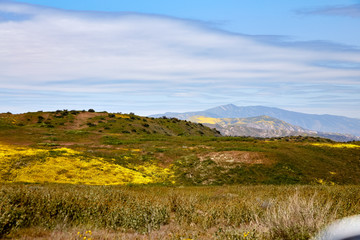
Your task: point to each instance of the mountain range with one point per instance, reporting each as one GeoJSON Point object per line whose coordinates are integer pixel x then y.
{"type": "Point", "coordinates": [261, 126]}
{"type": "Point", "coordinates": [260, 121]}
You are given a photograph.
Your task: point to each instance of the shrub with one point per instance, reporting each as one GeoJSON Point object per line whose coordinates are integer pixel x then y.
{"type": "Point", "coordinates": [91, 124]}
{"type": "Point", "coordinates": [40, 119]}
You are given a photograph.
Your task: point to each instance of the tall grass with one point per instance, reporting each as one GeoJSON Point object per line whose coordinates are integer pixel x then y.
{"type": "Point", "coordinates": [151, 212]}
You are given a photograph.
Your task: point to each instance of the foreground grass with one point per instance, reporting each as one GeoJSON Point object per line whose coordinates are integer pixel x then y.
{"type": "Point", "coordinates": [151, 212]}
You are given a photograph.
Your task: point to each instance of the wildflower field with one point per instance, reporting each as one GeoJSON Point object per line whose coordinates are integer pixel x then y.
{"type": "Point", "coordinates": [87, 175]}
{"type": "Point", "coordinates": [64, 165]}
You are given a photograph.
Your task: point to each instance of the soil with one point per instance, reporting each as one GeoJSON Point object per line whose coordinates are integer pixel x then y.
{"type": "Point", "coordinates": [81, 119]}
{"type": "Point", "coordinates": [235, 157]}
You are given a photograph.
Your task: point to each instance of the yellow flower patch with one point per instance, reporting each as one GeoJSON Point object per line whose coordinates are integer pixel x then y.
{"type": "Point", "coordinates": [158, 174]}
{"type": "Point", "coordinates": [210, 120]}
{"type": "Point", "coordinates": [63, 165]}
{"type": "Point", "coordinates": [122, 116]}
{"type": "Point", "coordinates": [336, 145]}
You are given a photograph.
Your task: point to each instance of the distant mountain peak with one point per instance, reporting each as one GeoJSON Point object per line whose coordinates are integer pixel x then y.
{"type": "Point", "coordinates": [315, 122]}
{"type": "Point", "coordinates": [228, 107]}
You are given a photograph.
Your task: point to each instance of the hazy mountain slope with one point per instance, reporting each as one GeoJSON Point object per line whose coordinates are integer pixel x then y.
{"type": "Point", "coordinates": [261, 126]}
{"type": "Point", "coordinates": [265, 127]}
{"type": "Point", "coordinates": [321, 123]}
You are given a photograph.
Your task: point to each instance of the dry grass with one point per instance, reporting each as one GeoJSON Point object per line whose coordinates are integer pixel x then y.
{"type": "Point", "coordinates": [227, 212]}
{"type": "Point", "coordinates": [298, 217]}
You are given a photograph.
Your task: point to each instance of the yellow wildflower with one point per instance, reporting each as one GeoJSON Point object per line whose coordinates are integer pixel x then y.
{"type": "Point", "coordinates": [74, 167]}
{"type": "Point", "coordinates": [320, 181]}
{"type": "Point", "coordinates": [336, 145]}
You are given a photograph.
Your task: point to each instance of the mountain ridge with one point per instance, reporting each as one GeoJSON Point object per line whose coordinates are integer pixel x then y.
{"type": "Point", "coordinates": [261, 126]}
{"type": "Point", "coordinates": [324, 123]}
{"type": "Point", "coordinates": [264, 127]}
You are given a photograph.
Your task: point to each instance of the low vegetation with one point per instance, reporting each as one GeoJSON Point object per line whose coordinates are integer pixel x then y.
{"type": "Point", "coordinates": [181, 161]}
{"type": "Point", "coordinates": [85, 174]}
{"type": "Point", "coordinates": [153, 212]}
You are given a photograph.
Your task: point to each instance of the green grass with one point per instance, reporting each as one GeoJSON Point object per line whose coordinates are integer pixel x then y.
{"type": "Point", "coordinates": [291, 160]}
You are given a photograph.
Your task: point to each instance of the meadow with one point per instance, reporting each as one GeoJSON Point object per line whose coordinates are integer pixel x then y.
{"type": "Point", "coordinates": [87, 175]}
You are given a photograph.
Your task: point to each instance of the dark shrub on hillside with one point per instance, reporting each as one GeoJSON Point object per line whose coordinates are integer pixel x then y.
{"type": "Point", "coordinates": [40, 119]}
{"type": "Point", "coordinates": [90, 124]}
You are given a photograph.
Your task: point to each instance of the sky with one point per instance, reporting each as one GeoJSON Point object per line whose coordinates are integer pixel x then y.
{"type": "Point", "coordinates": [161, 56]}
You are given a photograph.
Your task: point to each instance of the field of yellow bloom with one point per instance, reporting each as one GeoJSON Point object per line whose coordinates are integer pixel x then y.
{"type": "Point", "coordinates": [336, 145]}
{"type": "Point", "coordinates": [64, 165]}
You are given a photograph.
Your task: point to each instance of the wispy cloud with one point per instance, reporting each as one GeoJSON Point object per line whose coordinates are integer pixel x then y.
{"type": "Point", "coordinates": [149, 59]}
{"type": "Point", "coordinates": [342, 10]}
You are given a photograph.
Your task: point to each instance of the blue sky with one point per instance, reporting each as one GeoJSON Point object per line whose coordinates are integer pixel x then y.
{"type": "Point", "coordinates": [182, 55]}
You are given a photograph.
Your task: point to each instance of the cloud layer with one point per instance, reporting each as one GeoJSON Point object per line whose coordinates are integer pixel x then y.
{"type": "Point", "coordinates": [343, 10]}
{"type": "Point", "coordinates": [52, 58]}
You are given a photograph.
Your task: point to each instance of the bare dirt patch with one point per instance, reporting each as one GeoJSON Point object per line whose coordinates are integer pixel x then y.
{"type": "Point", "coordinates": [81, 119]}
{"type": "Point", "coordinates": [165, 160]}
{"type": "Point", "coordinates": [235, 157]}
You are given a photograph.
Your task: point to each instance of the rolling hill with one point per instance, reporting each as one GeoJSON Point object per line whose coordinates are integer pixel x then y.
{"type": "Point", "coordinates": [101, 123]}
{"type": "Point", "coordinates": [82, 147]}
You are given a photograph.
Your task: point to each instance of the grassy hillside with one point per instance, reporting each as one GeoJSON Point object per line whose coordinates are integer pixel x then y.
{"type": "Point", "coordinates": [71, 126]}
{"type": "Point", "coordinates": [111, 149]}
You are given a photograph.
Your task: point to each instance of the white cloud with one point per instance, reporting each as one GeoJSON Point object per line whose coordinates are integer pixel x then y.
{"type": "Point", "coordinates": [74, 52]}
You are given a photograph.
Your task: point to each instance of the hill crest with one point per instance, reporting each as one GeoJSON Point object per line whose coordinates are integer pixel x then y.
{"type": "Point", "coordinates": [69, 125]}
